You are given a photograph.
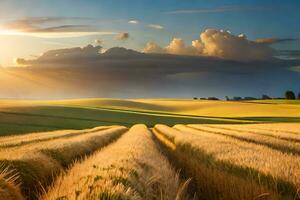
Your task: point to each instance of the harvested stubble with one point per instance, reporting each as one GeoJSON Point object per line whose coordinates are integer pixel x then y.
{"type": "Point", "coordinates": [38, 163]}
{"type": "Point", "coordinates": [226, 168]}
{"type": "Point", "coordinates": [253, 137]}
{"type": "Point", "coordinates": [131, 168]}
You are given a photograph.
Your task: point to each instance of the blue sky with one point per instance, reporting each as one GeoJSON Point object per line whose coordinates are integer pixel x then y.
{"type": "Point", "coordinates": [179, 18]}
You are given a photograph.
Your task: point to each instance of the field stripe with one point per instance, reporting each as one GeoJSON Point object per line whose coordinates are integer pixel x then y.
{"type": "Point", "coordinates": [62, 117]}
{"type": "Point", "coordinates": [265, 133]}
{"type": "Point", "coordinates": [163, 114]}
{"type": "Point", "coordinates": [133, 169]}
{"type": "Point", "coordinates": [17, 141]}
{"type": "Point", "coordinates": [38, 165]}
{"type": "Point", "coordinates": [266, 167]}
{"type": "Point", "coordinates": [211, 179]}
{"type": "Point", "coordinates": [271, 144]}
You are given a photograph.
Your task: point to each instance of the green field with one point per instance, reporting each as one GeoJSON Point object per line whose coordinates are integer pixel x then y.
{"type": "Point", "coordinates": [17, 117]}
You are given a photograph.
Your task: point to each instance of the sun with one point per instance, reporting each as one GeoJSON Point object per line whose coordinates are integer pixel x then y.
{"type": "Point", "coordinates": [4, 31]}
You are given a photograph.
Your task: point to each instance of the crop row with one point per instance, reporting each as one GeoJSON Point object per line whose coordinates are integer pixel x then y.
{"type": "Point", "coordinates": [276, 143]}
{"type": "Point", "coordinates": [18, 140]}
{"type": "Point", "coordinates": [220, 161]}
{"type": "Point", "coordinates": [38, 163]}
{"type": "Point", "coordinates": [131, 168]}
{"type": "Point", "coordinates": [228, 168]}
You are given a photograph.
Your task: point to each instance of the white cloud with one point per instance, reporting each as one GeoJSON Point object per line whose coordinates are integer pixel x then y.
{"type": "Point", "coordinates": [50, 27]}
{"type": "Point", "coordinates": [216, 43]}
{"type": "Point", "coordinates": [156, 26]}
{"type": "Point", "coordinates": [54, 34]}
{"type": "Point", "coordinates": [133, 22]}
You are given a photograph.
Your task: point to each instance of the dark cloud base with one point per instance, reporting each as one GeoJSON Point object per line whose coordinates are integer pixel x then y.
{"type": "Point", "coordinates": [122, 73]}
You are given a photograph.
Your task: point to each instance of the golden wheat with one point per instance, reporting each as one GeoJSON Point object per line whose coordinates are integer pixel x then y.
{"type": "Point", "coordinates": [38, 162]}
{"type": "Point", "coordinates": [12, 141]}
{"type": "Point", "coordinates": [9, 189]}
{"type": "Point", "coordinates": [264, 159]}
{"type": "Point", "coordinates": [277, 131]}
{"type": "Point", "coordinates": [254, 137]}
{"type": "Point", "coordinates": [209, 181]}
{"type": "Point", "coordinates": [246, 164]}
{"type": "Point", "coordinates": [131, 168]}
{"type": "Point", "coordinates": [277, 127]}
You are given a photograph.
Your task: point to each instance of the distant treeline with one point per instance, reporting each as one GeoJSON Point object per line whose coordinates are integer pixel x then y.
{"type": "Point", "coordinates": [289, 95]}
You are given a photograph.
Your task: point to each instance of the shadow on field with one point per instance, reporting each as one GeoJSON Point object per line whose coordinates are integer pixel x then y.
{"type": "Point", "coordinates": [213, 179]}
{"type": "Point", "coordinates": [19, 120]}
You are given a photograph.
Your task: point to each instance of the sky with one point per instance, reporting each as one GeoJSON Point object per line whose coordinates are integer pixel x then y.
{"type": "Point", "coordinates": [29, 28]}
{"type": "Point", "coordinates": [148, 48]}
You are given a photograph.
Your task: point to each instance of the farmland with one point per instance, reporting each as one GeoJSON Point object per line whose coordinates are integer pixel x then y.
{"type": "Point", "coordinates": [205, 161]}
{"type": "Point", "coordinates": [149, 149]}
{"type": "Point", "coordinates": [26, 116]}
{"type": "Point", "coordinates": [227, 167]}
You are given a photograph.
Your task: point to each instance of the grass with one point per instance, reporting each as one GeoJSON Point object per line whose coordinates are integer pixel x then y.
{"type": "Point", "coordinates": [194, 107]}
{"type": "Point", "coordinates": [204, 108]}
{"type": "Point", "coordinates": [21, 120]}
{"type": "Point", "coordinates": [227, 168]}
{"type": "Point", "coordinates": [39, 161]}
{"type": "Point", "coordinates": [133, 169]}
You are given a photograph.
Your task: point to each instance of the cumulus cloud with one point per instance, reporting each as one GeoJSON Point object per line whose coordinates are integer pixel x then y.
{"type": "Point", "coordinates": [119, 72]}
{"type": "Point", "coordinates": [122, 36]}
{"type": "Point", "coordinates": [152, 47]}
{"type": "Point", "coordinates": [156, 26]}
{"type": "Point", "coordinates": [133, 22]}
{"type": "Point", "coordinates": [217, 43]}
{"type": "Point", "coordinates": [64, 55]}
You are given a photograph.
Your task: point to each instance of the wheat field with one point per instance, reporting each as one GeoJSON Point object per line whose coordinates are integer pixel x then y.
{"type": "Point", "coordinates": [133, 169]}
{"type": "Point", "coordinates": [37, 163]}
{"type": "Point", "coordinates": [193, 161]}
{"type": "Point", "coordinates": [236, 168]}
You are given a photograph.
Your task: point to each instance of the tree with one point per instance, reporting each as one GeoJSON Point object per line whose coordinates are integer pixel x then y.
{"type": "Point", "coordinates": [212, 98]}
{"type": "Point", "coordinates": [299, 95]}
{"type": "Point", "coordinates": [250, 98]}
{"type": "Point", "coordinates": [290, 95]}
